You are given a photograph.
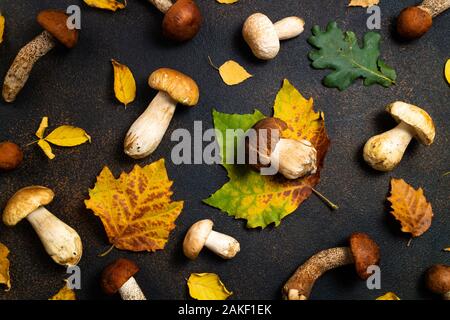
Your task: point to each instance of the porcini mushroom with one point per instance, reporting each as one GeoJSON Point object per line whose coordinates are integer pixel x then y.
{"type": "Point", "coordinates": [182, 19]}
{"type": "Point", "coordinates": [148, 130]}
{"type": "Point", "coordinates": [363, 252]}
{"type": "Point", "coordinates": [201, 234]}
{"type": "Point", "coordinates": [263, 36]}
{"type": "Point", "coordinates": [294, 158]}
{"type": "Point", "coordinates": [385, 151]}
{"type": "Point", "coordinates": [11, 156]}
{"type": "Point", "coordinates": [438, 280]}
{"type": "Point", "coordinates": [414, 22]}
{"type": "Point", "coordinates": [55, 27]}
{"type": "Point", "coordinates": [61, 242]}
{"type": "Point", "coordinates": [118, 277]}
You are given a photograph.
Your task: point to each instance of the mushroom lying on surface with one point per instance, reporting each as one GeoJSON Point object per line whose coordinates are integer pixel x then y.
{"type": "Point", "coordinates": [363, 252]}
{"type": "Point", "coordinates": [148, 130]}
{"type": "Point", "coordinates": [11, 156]}
{"type": "Point", "coordinates": [55, 24]}
{"type": "Point", "coordinates": [438, 280]}
{"type": "Point", "coordinates": [264, 37]}
{"type": "Point", "coordinates": [118, 277]}
{"type": "Point", "coordinates": [182, 19]}
{"type": "Point", "coordinates": [61, 242]}
{"type": "Point", "coordinates": [414, 22]}
{"type": "Point", "coordinates": [295, 158]}
{"type": "Point", "coordinates": [201, 234]}
{"type": "Point", "coordinates": [385, 151]}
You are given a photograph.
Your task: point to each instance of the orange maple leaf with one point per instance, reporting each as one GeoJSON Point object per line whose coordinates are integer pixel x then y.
{"type": "Point", "coordinates": [410, 207]}
{"type": "Point", "coordinates": [136, 209]}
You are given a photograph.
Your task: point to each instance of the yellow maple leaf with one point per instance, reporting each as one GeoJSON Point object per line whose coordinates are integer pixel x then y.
{"type": "Point", "coordinates": [388, 296]}
{"type": "Point", "coordinates": [4, 267]}
{"type": "Point", "coordinates": [111, 5]}
{"type": "Point", "coordinates": [410, 207]}
{"type": "Point", "coordinates": [227, 1]}
{"type": "Point", "coordinates": [136, 209]}
{"type": "Point", "coordinates": [363, 3]}
{"type": "Point", "coordinates": [207, 286]}
{"type": "Point", "coordinates": [2, 27]}
{"type": "Point", "coordinates": [447, 71]}
{"type": "Point", "coordinates": [65, 293]}
{"type": "Point", "coordinates": [124, 83]}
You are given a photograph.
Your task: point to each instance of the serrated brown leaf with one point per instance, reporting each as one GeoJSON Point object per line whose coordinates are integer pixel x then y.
{"type": "Point", "coordinates": [410, 207]}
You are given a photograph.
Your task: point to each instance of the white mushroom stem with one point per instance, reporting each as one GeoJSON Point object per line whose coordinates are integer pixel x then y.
{"type": "Point", "coordinates": [289, 27]}
{"type": "Point", "coordinates": [20, 69]}
{"type": "Point", "coordinates": [61, 242]}
{"type": "Point", "coordinates": [148, 130]}
{"type": "Point", "coordinates": [223, 245]}
{"type": "Point", "coordinates": [130, 290]}
{"type": "Point", "coordinates": [435, 7]}
{"type": "Point", "coordinates": [162, 5]}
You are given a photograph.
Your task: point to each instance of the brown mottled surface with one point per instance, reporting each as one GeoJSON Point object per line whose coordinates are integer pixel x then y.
{"type": "Point", "coordinates": [75, 87]}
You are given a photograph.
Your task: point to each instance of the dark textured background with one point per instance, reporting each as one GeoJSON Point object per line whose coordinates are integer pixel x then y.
{"type": "Point", "coordinates": [76, 88]}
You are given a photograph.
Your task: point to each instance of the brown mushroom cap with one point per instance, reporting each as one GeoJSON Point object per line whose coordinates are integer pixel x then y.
{"type": "Point", "coordinates": [55, 22]}
{"type": "Point", "coordinates": [178, 85]}
{"type": "Point", "coordinates": [365, 252]}
{"type": "Point", "coordinates": [413, 22]}
{"type": "Point", "coordinates": [11, 156]}
{"type": "Point", "coordinates": [415, 117]}
{"type": "Point", "coordinates": [182, 21]}
{"type": "Point", "coordinates": [116, 274]}
{"type": "Point", "coordinates": [24, 202]}
{"type": "Point", "coordinates": [196, 237]}
{"type": "Point", "coordinates": [438, 279]}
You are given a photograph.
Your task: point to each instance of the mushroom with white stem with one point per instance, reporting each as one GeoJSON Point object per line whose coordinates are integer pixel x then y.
{"type": "Point", "coordinates": [148, 130]}
{"type": "Point", "coordinates": [55, 24]}
{"type": "Point", "coordinates": [414, 22]}
{"type": "Point", "coordinates": [201, 234]}
{"type": "Point", "coordinates": [438, 280]}
{"type": "Point", "coordinates": [119, 277]}
{"type": "Point", "coordinates": [182, 19]}
{"type": "Point", "coordinates": [385, 151]}
{"type": "Point", "coordinates": [363, 252]}
{"type": "Point", "coordinates": [263, 36]}
{"type": "Point", "coordinates": [61, 242]}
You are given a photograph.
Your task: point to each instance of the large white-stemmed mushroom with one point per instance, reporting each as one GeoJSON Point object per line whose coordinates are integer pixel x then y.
{"type": "Point", "coordinates": [385, 151]}
{"type": "Point", "coordinates": [61, 242]}
{"type": "Point", "coordinates": [201, 234]}
{"type": "Point", "coordinates": [264, 37]}
{"type": "Point", "coordinates": [148, 130]}
{"type": "Point", "coordinates": [55, 24]}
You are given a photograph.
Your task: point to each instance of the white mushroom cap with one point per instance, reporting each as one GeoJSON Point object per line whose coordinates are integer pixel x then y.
{"type": "Point", "coordinates": [196, 238]}
{"type": "Point", "coordinates": [260, 34]}
{"type": "Point", "coordinates": [416, 118]}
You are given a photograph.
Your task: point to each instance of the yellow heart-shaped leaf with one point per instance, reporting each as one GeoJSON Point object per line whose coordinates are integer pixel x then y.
{"type": "Point", "coordinates": [207, 286]}
{"type": "Point", "coordinates": [233, 73]}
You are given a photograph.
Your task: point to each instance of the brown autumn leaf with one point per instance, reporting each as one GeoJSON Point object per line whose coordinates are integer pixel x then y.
{"type": "Point", "coordinates": [410, 207]}
{"type": "Point", "coordinates": [4, 267]}
{"type": "Point", "coordinates": [136, 209]}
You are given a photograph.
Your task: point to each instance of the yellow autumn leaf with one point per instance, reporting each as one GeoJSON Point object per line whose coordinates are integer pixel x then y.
{"type": "Point", "coordinates": [124, 83]}
{"type": "Point", "coordinates": [207, 286]}
{"type": "Point", "coordinates": [388, 296]}
{"type": "Point", "coordinates": [232, 73]}
{"type": "Point", "coordinates": [447, 71]}
{"type": "Point", "coordinates": [4, 267]}
{"type": "Point", "coordinates": [112, 5]}
{"type": "Point", "coordinates": [447, 249]}
{"type": "Point", "coordinates": [64, 294]}
{"type": "Point", "coordinates": [363, 3]}
{"type": "Point", "coordinates": [45, 146]}
{"type": "Point", "coordinates": [42, 127]}
{"type": "Point", "coordinates": [2, 27]}
{"type": "Point", "coordinates": [227, 1]}
{"type": "Point", "coordinates": [68, 136]}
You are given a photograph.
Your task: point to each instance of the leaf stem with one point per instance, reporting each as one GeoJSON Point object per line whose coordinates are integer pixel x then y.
{"type": "Point", "coordinates": [325, 199]}
{"type": "Point", "coordinates": [104, 254]}
{"type": "Point", "coordinates": [409, 242]}
{"type": "Point", "coordinates": [31, 143]}
{"type": "Point", "coordinates": [212, 64]}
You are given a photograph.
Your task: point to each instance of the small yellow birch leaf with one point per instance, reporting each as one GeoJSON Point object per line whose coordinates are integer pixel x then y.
{"type": "Point", "coordinates": [68, 136]}
{"type": "Point", "coordinates": [64, 294]}
{"type": "Point", "coordinates": [2, 27]}
{"type": "Point", "coordinates": [447, 71]}
{"type": "Point", "coordinates": [388, 296]}
{"type": "Point", "coordinates": [227, 1]}
{"type": "Point", "coordinates": [363, 3]}
{"type": "Point", "coordinates": [112, 5]}
{"type": "Point", "coordinates": [46, 148]}
{"type": "Point", "coordinates": [124, 83]}
{"type": "Point", "coordinates": [4, 267]}
{"type": "Point", "coordinates": [207, 286]}
{"type": "Point", "coordinates": [232, 73]}
{"type": "Point", "coordinates": [42, 127]}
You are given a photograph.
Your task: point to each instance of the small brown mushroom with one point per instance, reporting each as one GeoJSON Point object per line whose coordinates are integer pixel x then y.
{"type": "Point", "coordinates": [438, 280]}
{"type": "Point", "coordinates": [54, 23]}
{"type": "Point", "coordinates": [294, 158]}
{"type": "Point", "coordinates": [182, 20]}
{"type": "Point", "coordinates": [201, 234]}
{"type": "Point", "coordinates": [118, 277]}
{"type": "Point", "coordinates": [11, 156]}
{"type": "Point", "coordinates": [414, 22]}
{"type": "Point", "coordinates": [363, 252]}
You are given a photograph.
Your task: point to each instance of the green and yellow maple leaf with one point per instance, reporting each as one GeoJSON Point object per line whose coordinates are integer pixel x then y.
{"type": "Point", "coordinates": [263, 200]}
